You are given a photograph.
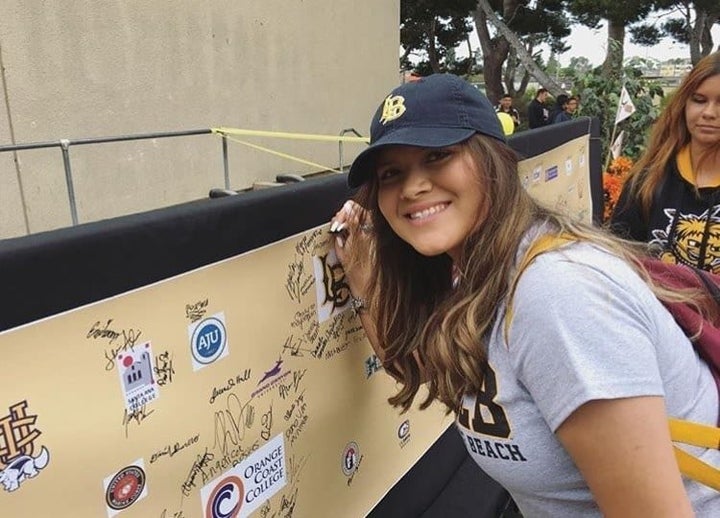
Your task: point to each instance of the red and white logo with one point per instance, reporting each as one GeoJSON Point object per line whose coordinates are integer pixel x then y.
{"type": "Point", "coordinates": [125, 488]}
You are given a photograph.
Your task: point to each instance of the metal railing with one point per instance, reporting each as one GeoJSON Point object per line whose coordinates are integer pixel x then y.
{"type": "Point", "coordinates": [65, 144]}
{"type": "Point", "coordinates": [341, 161]}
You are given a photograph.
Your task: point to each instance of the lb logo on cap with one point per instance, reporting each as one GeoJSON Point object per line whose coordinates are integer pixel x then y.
{"type": "Point", "coordinates": [393, 108]}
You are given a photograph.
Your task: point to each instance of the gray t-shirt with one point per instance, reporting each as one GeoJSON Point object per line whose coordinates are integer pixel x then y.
{"type": "Point", "coordinates": [584, 327]}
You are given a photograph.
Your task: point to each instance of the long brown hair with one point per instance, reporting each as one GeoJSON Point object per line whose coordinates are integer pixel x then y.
{"type": "Point", "coordinates": [669, 134]}
{"type": "Point", "coordinates": [434, 333]}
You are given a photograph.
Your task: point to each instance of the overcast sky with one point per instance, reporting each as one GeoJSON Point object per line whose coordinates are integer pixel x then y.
{"type": "Point", "coordinates": [592, 44]}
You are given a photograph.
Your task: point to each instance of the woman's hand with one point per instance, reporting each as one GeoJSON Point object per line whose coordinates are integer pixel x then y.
{"type": "Point", "coordinates": [353, 245]}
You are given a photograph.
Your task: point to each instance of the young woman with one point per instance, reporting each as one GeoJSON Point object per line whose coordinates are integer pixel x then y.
{"type": "Point", "coordinates": [567, 406]}
{"type": "Point", "coordinates": [671, 199]}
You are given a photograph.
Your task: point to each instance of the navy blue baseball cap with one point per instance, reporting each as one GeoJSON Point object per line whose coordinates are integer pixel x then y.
{"type": "Point", "coordinates": [435, 111]}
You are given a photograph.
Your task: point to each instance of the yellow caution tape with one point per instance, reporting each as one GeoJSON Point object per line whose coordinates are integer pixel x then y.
{"type": "Point", "coordinates": [285, 135]}
{"type": "Point", "coordinates": [284, 155]}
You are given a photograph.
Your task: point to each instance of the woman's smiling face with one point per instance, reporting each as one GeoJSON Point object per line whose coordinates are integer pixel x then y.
{"type": "Point", "coordinates": [430, 197]}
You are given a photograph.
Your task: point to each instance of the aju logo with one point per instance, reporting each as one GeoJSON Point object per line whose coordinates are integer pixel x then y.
{"type": "Point", "coordinates": [208, 340]}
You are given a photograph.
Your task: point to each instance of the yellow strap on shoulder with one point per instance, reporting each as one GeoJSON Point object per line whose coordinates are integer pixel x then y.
{"type": "Point", "coordinates": [696, 434]}
{"type": "Point", "coordinates": [694, 468]}
{"type": "Point", "coordinates": [542, 244]}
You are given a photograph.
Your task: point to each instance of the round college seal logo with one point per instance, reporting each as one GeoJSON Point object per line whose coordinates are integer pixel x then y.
{"type": "Point", "coordinates": [208, 340]}
{"type": "Point", "coordinates": [226, 498]}
{"type": "Point", "coordinates": [350, 458]}
{"type": "Point", "coordinates": [125, 488]}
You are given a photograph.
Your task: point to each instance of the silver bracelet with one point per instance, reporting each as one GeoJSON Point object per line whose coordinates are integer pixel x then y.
{"type": "Point", "coordinates": [357, 304]}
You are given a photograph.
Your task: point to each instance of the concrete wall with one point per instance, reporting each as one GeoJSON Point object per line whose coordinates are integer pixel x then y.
{"type": "Point", "coordinates": [81, 69]}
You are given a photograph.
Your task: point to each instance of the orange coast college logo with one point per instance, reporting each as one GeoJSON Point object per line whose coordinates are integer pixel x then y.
{"type": "Point", "coordinates": [18, 437]}
{"type": "Point", "coordinates": [393, 108]}
{"type": "Point", "coordinates": [226, 499]}
{"type": "Point", "coordinates": [245, 487]}
{"type": "Point", "coordinates": [125, 487]}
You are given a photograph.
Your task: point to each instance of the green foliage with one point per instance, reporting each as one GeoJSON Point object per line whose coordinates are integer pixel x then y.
{"type": "Point", "coordinates": [601, 96]}
{"type": "Point", "coordinates": [432, 29]}
{"type": "Point", "coordinates": [589, 12]}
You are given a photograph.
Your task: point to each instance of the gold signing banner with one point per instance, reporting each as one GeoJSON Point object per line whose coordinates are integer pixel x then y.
{"type": "Point", "coordinates": [244, 387]}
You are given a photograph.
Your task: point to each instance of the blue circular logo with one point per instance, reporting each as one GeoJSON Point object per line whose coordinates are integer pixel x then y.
{"type": "Point", "coordinates": [208, 340]}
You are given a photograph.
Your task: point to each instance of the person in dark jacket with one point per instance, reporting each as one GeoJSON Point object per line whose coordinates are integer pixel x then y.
{"type": "Point", "coordinates": [567, 110]}
{"type": "Point", "coordinates": [671, 198]}
{"type": "Point", "coordinates": [538, 115]}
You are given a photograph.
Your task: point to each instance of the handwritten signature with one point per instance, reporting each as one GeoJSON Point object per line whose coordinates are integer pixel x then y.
{"type": "Point", "coordinates": [298, 282]}
{"type": "Point", "coordinates": [231, 383]}
{"type": "Point", "coordinates": [197, 310]}
{"type": "Point", "coordinates": [197, 468]}
{"type": "Point", "coordinates": [128, 337]}
{"type": "Point", "coordinates": [266, 422]}
{"type": "Point", "coordinates": [284, 390]}
{"type": "Point", "coordinates": [164, 368]}
{"type": "Point", "coordinates": [136, 416]}
{"type": "Point", "coordinates": [294, 469]}
{"type": "Point", "coordinates": [171, 450]}
{"type": "Point", "coordinates": [287, 505]}
{"type": "Point", "coordinates": [232, 422]}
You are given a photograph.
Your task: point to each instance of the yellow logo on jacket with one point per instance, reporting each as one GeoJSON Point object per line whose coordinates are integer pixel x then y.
{"type": "Point", "coordinates": [393, 108]}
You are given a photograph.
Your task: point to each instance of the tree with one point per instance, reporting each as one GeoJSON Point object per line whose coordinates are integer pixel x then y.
{"type": "Point", "coordinates": [433, 28]}
{"type": "Point", "coordinates": [693, 27]}
{"type": "Point", "coordinates": [619, 15]}
{"type": "Point", "coordinates": [519, 25]}
{"type": "Point", "coordinates": [580, 64]}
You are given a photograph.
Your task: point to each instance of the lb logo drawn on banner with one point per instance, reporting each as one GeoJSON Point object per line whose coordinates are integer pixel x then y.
{"type": "Point", "coordinates": [331, 287]}
{"type": "Point", "coordinates": [135, 368]}
{"type": "Point", "coordinates": [226, 499]}
{"type": "Point", "coordinates": [18, 438]}
{"type": "Point", "coordinates": [208, 341]}
{"type": "Point", "coordinates": [125, 487]}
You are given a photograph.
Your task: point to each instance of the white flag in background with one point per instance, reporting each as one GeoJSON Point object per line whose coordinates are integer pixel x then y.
{"type": "Point", "coordinates": [616, 147]}
{"type": "Point", "coordinates": [625, 108]}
